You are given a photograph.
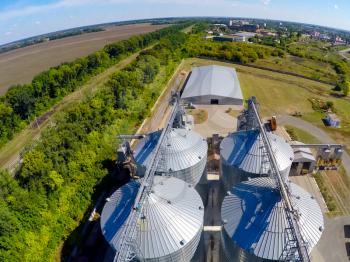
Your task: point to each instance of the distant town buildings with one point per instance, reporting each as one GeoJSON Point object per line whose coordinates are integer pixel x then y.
{"type": "Point", "coordinates": [339, 41]}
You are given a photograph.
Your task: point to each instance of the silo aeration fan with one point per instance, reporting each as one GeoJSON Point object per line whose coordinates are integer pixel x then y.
{"type": "Point", "coordinates": [128, 250]}
{"type": "Point", "coordinates": [296, 248]}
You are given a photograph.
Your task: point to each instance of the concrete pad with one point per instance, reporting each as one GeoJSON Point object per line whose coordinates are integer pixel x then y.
{"type": "Point", "coordinates": [218, 122]}
{"type": "Point", "coordinates": [332, 245]}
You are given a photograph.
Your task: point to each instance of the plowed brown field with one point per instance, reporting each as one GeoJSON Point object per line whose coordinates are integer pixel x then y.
{"type": "Point", "coordinates": [21, 65]}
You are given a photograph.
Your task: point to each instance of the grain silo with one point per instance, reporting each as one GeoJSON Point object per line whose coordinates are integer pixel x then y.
{"type": "Point", "coordinates": [243, 155]}
{"type": "Point", "coordinates": [255, 226]}
{"type": "Point", "coordinates": [171, 223]}
{"type": "Point", "coordinates": [184, 154]}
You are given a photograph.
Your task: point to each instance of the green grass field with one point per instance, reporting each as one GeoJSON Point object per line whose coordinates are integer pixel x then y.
{"type": "Point", "coordinates": [300, 135]}
{"type": "Point", "coordinates": [303, 66]}
{"type": "Point", "coordinates": [284, 94]}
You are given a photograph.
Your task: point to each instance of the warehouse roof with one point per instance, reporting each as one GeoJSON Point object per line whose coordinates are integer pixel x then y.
{"type": "Point", "coordinates": [213, 80]}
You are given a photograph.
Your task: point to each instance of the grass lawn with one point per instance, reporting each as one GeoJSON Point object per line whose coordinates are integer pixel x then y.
{"type": "Point", "coordinates": [284, 94]}
{"type": "Point", "coordinates": [199, 115]}
{"type": "Point", "coordinates": [300, 135]}
{"type": "Point", "coordinates": [335, 189]}
{"type": "Point", "coordinates": [303, 66]}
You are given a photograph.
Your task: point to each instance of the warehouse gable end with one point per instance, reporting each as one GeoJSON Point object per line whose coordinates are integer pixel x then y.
{"type": "Point", "coordinates": [213, 84]}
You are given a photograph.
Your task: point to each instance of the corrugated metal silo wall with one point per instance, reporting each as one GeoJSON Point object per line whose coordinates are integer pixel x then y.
{"type": "Point", "coordinates": [193, 174]}
{"type": "Point", "coordinates": [202, 187]}
{"type": "Point", "coordinates": [230, 175]}
{"type": "Point", "coordinates": [230, 252]}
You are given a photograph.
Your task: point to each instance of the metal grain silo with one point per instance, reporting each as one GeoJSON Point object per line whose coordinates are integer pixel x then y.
{"type": "Point", "coordinates": [255, 226]}
{"type": "Point", "coordinates": [243, 155]}
{"type": "Point", "coordinates": [184, 154]}
{"type": "Point", "coordinates": [171, 223]}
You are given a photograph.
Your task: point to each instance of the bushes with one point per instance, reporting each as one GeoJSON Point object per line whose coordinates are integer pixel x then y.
{"type": "Point", "coordinates": [237, 52]}
{"type": "Point", "coordinates": [54, 187]}
{"type": "Point", "coordinates": [324, 191]}
{"type": "Point", "coordinates": [341, 67]}
{"type": "Point", "coordinates": [30, 100]}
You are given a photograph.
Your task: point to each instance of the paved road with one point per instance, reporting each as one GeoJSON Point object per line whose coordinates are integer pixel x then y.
{"type": "Point", "coordinates": [331, 246]}
{"type": "Point", "coordinates": [316, 132]}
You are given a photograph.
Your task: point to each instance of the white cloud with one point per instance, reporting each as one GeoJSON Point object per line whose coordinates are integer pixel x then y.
{"type": "Point", "coordinates": [37, 22]}
{"type": "Point", "coordinates": [8, 33]}
{"type": "Point", "coordinates": [266, 2]}
{"type": "Point", "coordinates": [336, 6]}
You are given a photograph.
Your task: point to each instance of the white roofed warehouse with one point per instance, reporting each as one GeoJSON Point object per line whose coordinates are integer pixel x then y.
{"type": "Point", "coordinates": [213, 84]}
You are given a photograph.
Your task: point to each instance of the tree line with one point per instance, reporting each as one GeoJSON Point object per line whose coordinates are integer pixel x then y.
{"type": "Point", "coordinates": [49, 195]}
{"type": "Point", "coordinates": [22, 103]}
{"type": "Point", "coordinates": [236, 52]}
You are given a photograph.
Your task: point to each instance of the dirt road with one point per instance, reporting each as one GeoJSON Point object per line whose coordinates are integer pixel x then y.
{"type": "Point", "coordinates": [160, 110]}
{"type": "Point", "coordinates": [21, 65]}
{"type": "Point", "coordinates": [343, 53]}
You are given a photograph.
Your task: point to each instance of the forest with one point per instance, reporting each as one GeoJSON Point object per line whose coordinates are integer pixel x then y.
{"type": "Point", "coordinates": [235, 52]}
{"type": "Point", "coordinates": [48, 197]}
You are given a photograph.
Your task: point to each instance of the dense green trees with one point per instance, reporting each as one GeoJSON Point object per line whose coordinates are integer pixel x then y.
{"type": "Point", "coordinates": [49, 195]}
{"type": "Point", "coordinates": [51, 192]}
{"type": "Point", "coordinates": [236, 52]}
{"type": "Point", "coordinates": [24, 102]}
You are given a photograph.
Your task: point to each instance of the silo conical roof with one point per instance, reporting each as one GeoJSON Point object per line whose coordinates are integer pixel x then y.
{"type": "Point", "coordinates": [183, 149]}
{"type": "Point", "coordinates": [171, 221]}
{"type": "Point", "coordinates": [245, 150]}
{"type": "Point", "coordinates": [254, 217]}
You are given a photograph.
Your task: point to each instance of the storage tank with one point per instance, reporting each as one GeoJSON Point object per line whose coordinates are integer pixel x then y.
{"type": "Point", "coordinates": [171, 223]}
{"type": "Point", "coordinates": [255, 224]}
{"type": "Point", "coordinates": [184, 154]}
{"type": "Point", "coordinates": [243, 155]}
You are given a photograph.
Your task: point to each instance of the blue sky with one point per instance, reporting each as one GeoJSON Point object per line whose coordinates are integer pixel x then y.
{"type": "Point", "coordinates": [23, 18]}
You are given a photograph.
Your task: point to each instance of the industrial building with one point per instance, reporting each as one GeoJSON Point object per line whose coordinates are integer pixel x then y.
{"type": "Point", "coordinates": [213, 84]}
{"type": "Point", "coordinates": [160, 215]}
{"type": "Point", "coordinates": [304, 160]}
{"type": "Point", "coordinates": [171, 223]}
{"type": "Point", "coordinates": [243, 155]}
{"type": "Point", "coordinates": [256, 226]}
{"type": "Point", "coordinates": [184, 154]}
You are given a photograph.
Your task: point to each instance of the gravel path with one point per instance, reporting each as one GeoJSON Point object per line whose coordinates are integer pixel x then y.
{"type": "Point", "coordinates": [343, 52]}
{"type": "Point", "coordinates": [316, 132]}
